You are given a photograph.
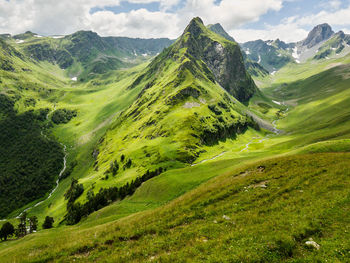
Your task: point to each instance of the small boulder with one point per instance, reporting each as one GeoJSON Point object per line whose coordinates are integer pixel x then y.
{"type": "Point", "coordinates": [312, 244]}
{"type": "Point", "coordinates": [226, 217]}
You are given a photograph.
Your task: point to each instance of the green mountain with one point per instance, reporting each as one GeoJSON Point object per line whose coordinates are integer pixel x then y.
{"type": "Point", "coordinates": [85, 54]}
{"type": "Point", "coordinates": [189, 98]}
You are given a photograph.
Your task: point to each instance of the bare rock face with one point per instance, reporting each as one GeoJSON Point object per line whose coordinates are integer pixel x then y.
{"type": "Point", "coordinates": [223, 58]}
{"type": "Point", "coordinates": [318, 34]}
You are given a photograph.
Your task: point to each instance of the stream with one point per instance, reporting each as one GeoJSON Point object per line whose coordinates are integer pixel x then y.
{"type": "Point", "coordinates": [59, 175]}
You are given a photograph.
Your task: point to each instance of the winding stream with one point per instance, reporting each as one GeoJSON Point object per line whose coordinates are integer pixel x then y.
{"type": "Point", "coordinates": [59, 175]}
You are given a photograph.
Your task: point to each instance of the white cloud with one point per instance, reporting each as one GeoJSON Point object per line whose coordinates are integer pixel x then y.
{"type": "Point", "coordinates": [66, 16]}
{"type": "Point", "coordinates": [137, 23]}
{"type": "Point", "coordinates": [332, 4]}
{"type": "Point", "coordinates": [47, 16]}
{"type": "Point", "coordinates": [298, 25]}
{"type": "Point", "coordinates": [164, 4]}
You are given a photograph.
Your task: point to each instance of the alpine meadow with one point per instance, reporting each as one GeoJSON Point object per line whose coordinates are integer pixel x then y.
{"type": "Point", "coordinates": [174, 131]}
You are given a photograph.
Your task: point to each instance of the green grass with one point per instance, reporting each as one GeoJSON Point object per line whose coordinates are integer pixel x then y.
{"type": "Point", "coordinates": [269, 214]}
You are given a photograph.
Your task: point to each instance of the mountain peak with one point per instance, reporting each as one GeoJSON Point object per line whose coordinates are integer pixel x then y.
{"type": "Point", "coordinates": [218, 29]}
{"type": "Point", "coordinates": [195, 27]}
{"type": "Point", "coordinates": [222, 57]}
{"type": "Point", "coordinates": [318, 34]}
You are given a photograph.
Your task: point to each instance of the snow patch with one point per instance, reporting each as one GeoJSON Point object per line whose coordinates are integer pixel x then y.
{"type": "Point", "coordinates": [276, 102]}
{"type": "Point", "coordinates": [74, 78]}
{"type": "Point", "coordinates": [297, 61]}
{"type": "Point", "coordinates": [19, 41]}
{"type": "Point", "coordinates": [145, 55]}
{"type": "Point", "coordinates": [57, 36]}
{"type": "Point", "coordinates": [279, 55]}
{"type": "Point", "coordinates": [259, 59]}
{"type": "Point", "coordinates": [295, 53]}
{"type": "Point", "coordinates": [38, 36]}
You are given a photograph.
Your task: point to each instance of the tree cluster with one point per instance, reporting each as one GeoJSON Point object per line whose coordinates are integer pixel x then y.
{"type": "Point", "coordinates": [75, 190]}
{"type": "Point", "coordinates": [29, 162]}
{"type": "Point", "coordinates": [27, 225]}
{"type": "Point", "coordinates": [63, 116]}
{"type": "Point", "coordinates": [104, 197]}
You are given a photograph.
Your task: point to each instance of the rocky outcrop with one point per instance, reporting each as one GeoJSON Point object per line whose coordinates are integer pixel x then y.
{"type": "Point", "coordinates": [223, 58]}
{"type": "Point", "coordinates": [317, 35]}
{"type": "Point", "coordinates": [218, 29]}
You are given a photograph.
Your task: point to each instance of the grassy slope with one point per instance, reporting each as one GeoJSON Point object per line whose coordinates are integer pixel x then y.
{"type": "Point", "coordinates": [97, 107]}
{"type": "Point", "coordinates": [98, 103]}
{"type": "Point", "coordinates": [262, 223]}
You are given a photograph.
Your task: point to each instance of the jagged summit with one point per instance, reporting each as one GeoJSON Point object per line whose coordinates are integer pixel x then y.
{"type": "Point", "coordinates": [221, 56]}
{"type": "Point", "coordinates": [218, 29]}
{"type": "Point", "coordinates": [318, 34]}
{"type": "Point", "coordinates": [195, 27]}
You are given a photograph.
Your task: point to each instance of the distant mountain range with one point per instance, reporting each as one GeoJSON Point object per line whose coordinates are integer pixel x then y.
{"type": "Point", "coordinates": [321, 43]}
{"type": "Point", "coordinates": [84, 53]}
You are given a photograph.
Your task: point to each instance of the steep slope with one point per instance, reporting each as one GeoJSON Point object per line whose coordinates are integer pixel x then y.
{"type": "Point", "coordinates": [29, 161]}
{"type": "Point", "coordinates": [337, 46]}
{"type": "Point", "coordinates": [182, 105]}
{"type": "Point", "coordinates": [317, 35]}
{"type": "Point", "coordinates": [218, 29]}
{"type": "Point", "coordinates": [272, 55]}
{"type": "Point", "coordinates": [253, 68]}
{"type": "Point", "coordinates": [7, 55]}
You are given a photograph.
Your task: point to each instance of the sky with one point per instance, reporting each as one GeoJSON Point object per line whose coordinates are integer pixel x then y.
{"type": "Point", "coordinates": [288, 20]}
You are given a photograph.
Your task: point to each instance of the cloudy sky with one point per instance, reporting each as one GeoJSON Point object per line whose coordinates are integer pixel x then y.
{"type": "Point", "coordinates": [289, 20]}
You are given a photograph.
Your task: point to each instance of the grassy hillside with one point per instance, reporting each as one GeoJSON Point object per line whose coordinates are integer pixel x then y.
{"type": "Point", "coordinates": [264, 211]}
{"type": "Point", "coordinates": [42, 87]}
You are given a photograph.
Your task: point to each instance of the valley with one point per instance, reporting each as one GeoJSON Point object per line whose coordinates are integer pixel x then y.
{"type": "Point", "coordinates": [176, 143]}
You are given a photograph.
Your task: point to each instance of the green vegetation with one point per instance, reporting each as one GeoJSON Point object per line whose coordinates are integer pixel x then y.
{"type": "Point", "coordinates": [63, 116]}
{"type": "Point", "coordinates": [264, 211]}
{"type": "Point", "coordinates": [7, 230]}
{"type": "Point", "coordinates": [48, 222]}
{"type": "Point", "coordinates": [29, 162]}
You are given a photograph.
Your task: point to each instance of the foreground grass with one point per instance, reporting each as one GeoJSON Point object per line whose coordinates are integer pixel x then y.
{"type": "Point", "coordinates": [262, 212]}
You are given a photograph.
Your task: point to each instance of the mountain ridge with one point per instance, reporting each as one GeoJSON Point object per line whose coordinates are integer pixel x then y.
{"type": "Point", "coordinates": [180, 102]}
